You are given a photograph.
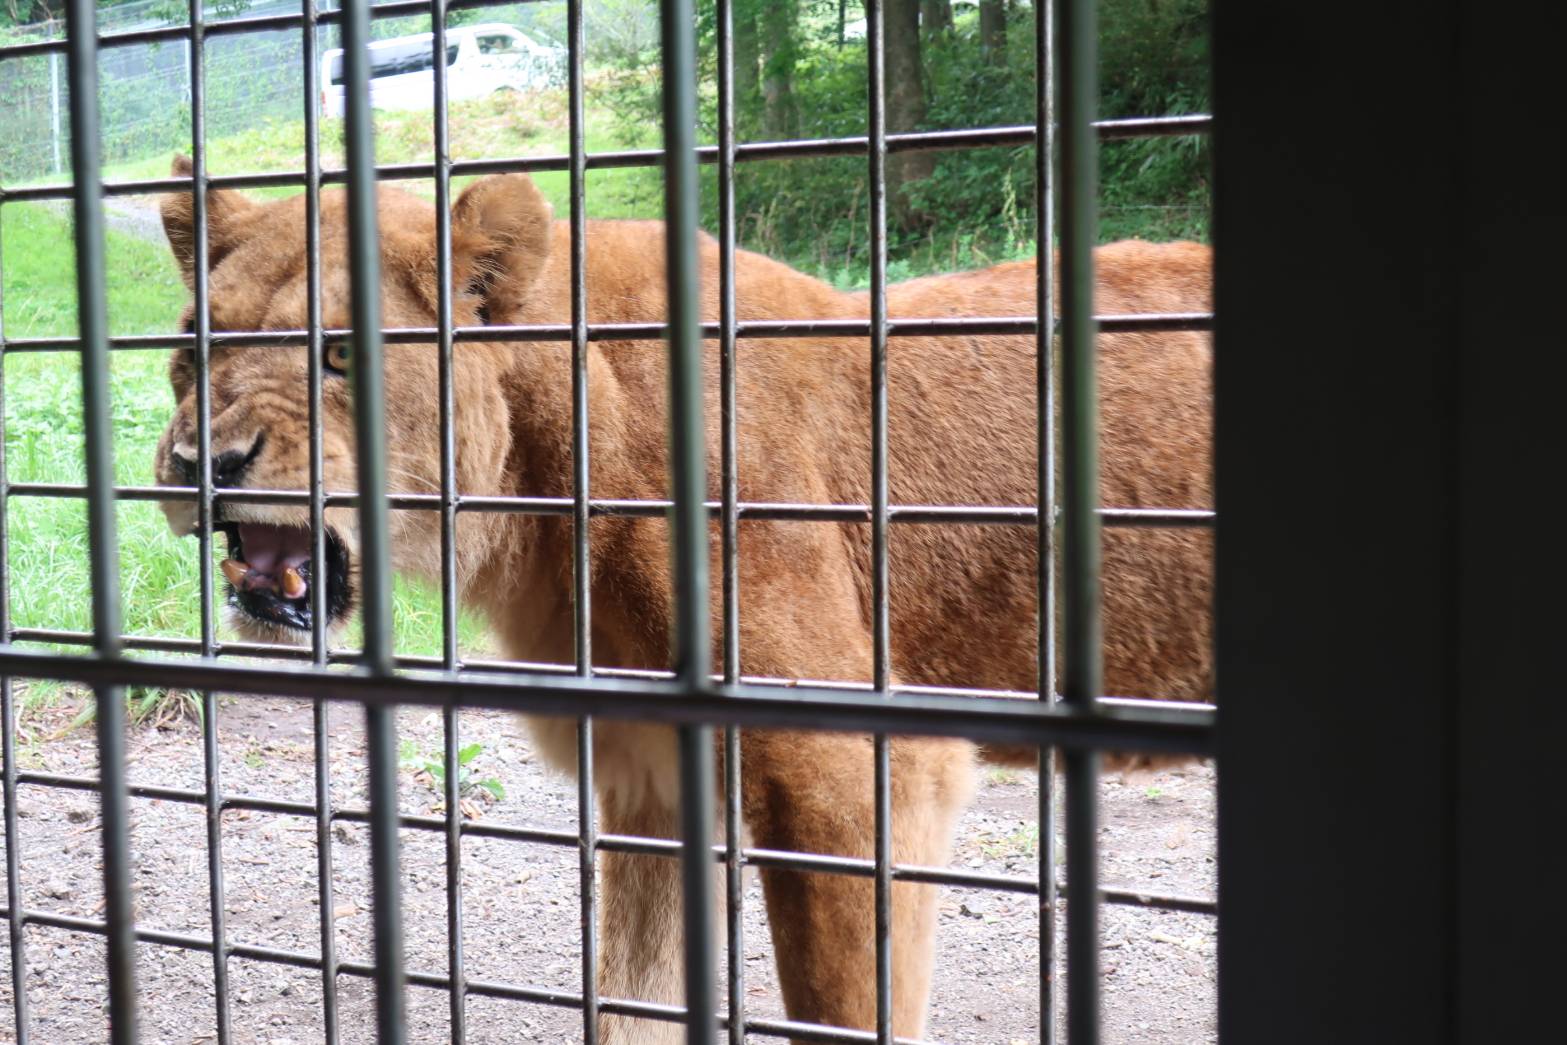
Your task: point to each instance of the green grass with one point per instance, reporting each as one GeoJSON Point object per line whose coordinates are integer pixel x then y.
{"type": "Point", "coordinates": [44, 444]}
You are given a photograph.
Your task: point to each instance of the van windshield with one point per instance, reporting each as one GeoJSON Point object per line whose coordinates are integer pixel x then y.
{"type": "Point", "coordinates": [394, 60]}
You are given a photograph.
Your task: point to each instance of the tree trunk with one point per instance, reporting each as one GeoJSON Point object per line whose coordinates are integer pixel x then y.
{"type": "Point", "coordinates": [905, 106]}
{"type": "Point", "coordinates": [993, 30]}
{"type": "Point", "coordinates": [780, 23]}
{"type": "Point", "coordinates": [935, 17]}
{"type": "Point", "coordinates": [748, 63]}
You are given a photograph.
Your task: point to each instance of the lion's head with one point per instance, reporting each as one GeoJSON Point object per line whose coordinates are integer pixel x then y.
{"type": "Point", "coordinates": [260, 405]}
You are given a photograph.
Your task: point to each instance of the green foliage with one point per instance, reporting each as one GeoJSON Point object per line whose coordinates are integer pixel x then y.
{"type": "Point", "coordinates": [1153, 60]}
{"type": "Point", "coordinates": [432, 767]}
{"type": "Point", "coordinates": [617, 34]}
{"type": "Point", "coordinates": [976, 206]}
{"type": "Point", "coordinates": [176, 12]}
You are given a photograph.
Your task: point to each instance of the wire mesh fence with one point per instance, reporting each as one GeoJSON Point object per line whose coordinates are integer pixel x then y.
{"type": "Point", "coordinates": [145, 92]}
{"type": "Point", "coordinates": [698, 695]}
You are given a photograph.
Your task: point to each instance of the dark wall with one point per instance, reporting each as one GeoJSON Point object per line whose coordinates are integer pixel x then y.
{"type": "Point", "coordinates": [1390, 616]}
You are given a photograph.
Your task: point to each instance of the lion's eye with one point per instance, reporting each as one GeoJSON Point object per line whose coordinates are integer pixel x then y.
{"type": "Point", "coordinates": [337, 356]}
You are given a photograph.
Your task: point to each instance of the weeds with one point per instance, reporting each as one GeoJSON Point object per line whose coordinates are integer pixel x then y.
{"type": "Point", "coordinates": [429, 768]}
{"type": "Point", "coordinates": [1022, 842]}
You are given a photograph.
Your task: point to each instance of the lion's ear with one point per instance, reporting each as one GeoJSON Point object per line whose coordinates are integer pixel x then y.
{"type": "Point", "coordinates": [500, 239]}
{"type": "Point", "coordinates": [224, 209]}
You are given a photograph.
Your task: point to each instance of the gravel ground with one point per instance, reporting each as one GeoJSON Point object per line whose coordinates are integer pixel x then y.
{"type": "Point", "coordinates": [519, 900]}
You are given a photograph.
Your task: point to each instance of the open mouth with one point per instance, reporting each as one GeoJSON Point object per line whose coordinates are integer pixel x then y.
{"type": "Point", "coordinates": [270, 575]}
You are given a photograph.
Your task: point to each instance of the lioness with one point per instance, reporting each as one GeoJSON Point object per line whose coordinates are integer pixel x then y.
{"type": "Point", "coordinates": [963, 598]}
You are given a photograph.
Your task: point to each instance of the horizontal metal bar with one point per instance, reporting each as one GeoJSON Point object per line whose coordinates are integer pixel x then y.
{"type": "Point", "coordinates": [1147, 727]}
{"type": "Point", "coordinates": [776, 859]}
{"type": "Point", "coordinates": [917, 141]}
{"type": "Point", "coordinates": [363, 970]}
{"type": "Point", "coordinates": [238, 26]}
{"type": "Point", "coordinates": [439, 981]}
{"type": "Point", "coordinates": [343, 655]}
{"type": "Point", "coordinates": [956, 326]}
{"type": "Point", "coordinates": [1016, 515]}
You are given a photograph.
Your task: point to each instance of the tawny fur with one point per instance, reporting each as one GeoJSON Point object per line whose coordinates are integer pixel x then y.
{"type": "Point", "coordinates": [963, 598]}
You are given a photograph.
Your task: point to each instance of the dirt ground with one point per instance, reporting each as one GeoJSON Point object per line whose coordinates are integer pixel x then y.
{"type": "Point", "coordinates": [519, 900]}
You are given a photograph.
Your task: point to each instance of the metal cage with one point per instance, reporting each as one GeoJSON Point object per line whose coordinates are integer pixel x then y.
{"type": "Point", "coordinates": [696, 698]}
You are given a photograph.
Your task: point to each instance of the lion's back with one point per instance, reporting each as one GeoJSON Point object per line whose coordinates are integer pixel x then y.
{"type": "Point", "coordinates": [963, 424]}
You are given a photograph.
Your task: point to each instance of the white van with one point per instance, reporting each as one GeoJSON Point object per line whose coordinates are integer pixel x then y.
{"type": "Point", "coordinates": [480, 60]}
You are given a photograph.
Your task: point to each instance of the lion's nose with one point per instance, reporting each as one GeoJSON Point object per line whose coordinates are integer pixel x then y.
{"type": "Point", "coordinates": [228, 466]}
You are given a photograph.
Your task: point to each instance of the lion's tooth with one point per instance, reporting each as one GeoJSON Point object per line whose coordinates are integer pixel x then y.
{"type": "Point", "coordinates": [293, 583]}
{"type": "Point", "coordinates": [235, 571]}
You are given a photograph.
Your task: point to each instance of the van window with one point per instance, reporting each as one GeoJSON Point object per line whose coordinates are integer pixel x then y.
{"type": "Point", "coordinates": [394, 61]}
{"type": "Point", "coordinates": [497, 44]}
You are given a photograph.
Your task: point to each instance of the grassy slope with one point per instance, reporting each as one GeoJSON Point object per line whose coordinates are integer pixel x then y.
{"type": "Point", "coordinates": [489, 128]}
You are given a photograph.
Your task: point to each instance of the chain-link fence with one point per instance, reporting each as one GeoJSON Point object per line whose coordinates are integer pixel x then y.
{"type": "Point", "coordinates": [144, 90]}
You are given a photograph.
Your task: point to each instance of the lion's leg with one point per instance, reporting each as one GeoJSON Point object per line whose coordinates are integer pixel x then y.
{"type": "Point", "coordinates": [639, 922]}
{"type": "Point", "coordinates": [813, 793]}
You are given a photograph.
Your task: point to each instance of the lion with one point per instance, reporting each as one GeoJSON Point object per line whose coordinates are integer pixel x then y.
{"type": "Point", "coordinates": [963, 598]}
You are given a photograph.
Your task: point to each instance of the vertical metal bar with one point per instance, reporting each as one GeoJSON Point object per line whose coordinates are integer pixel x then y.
{"type": "Point", "coordinates": [1082, 678]}
{"type": "Point", "coordinates": [734, 885]}
{"type": "Point", "coordinates": [450, 720]}
{"type": "Point", "coordinates": [102, 544]}
{"type": "Point", "coordinates": [317, 593]}
{"type": "Point", "coordinates": [688, 468]}
{"type": "Point", "coordinates": [202, 324]}
{"type": "Point", "coordinates": [212, 784]}
{"type": "Point", "coordinates": [688, 465]}
{"type": "Point", "coordinates": [696, 826]}
{"type": "Point", "coordinates": [457, 996]}
{"type": "Point", "coordinates": [13, 841]}
{"type": "Point", "coordinates": [728, 421]}
{"type": "Point", "coordinates": [13, 853]}
{"type": "Point", "coordinates": [582, 571]}
{"type": "Point", "coordinates": [211, 780]}
{"type": "Point", "coordinates": [92, 319]}
{"type": "Point", "coordinates": [444, 323]}
{"type": "Point", "coordinates": [54, 105]}
{"type": "Point", "coordinates": [880, 614]}
{"type": "Point", "coordinates": [734, 881]}
{"type": "Point", "coordinates": [375, 561]}
{"type": "Point", "coordinates": [1044, 376]}
{"type": "Point", "coordinates": [587, 850]}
